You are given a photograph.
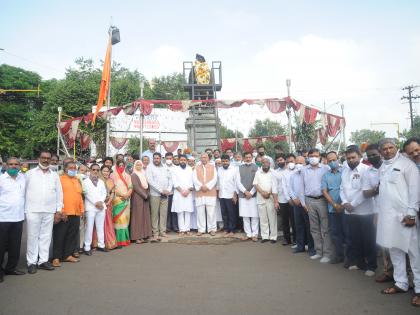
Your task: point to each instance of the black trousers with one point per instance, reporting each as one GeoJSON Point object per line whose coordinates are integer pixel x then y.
{"type": "Point", "coordinates": [363, 241]}
{"type": "Point", "coordinates": [228, 214]}
{"type": "Point", "coordinates": [64, 235]}
{"type": "Point", "coordinates": [10, 239]}
{"type": "Point", "coordinates": [288, 221]}
{"type": "Point", "coordinates": [172, 219]}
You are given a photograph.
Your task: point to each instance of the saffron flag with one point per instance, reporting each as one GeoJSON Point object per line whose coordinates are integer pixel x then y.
{"type": "Point", "coordinates": [105, 81]}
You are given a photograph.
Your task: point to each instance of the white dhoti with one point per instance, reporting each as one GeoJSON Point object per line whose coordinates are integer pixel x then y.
{"type": "Point", "coordinates": [184, 221]}
{"type": "Point", "coordinates": [219, 217]}
{"type": "Point", "coordinates": [268, 220]}
{"type": "Point", "coordinates": [206, 208]}
{"type": "Point", "coordinates": [251, 226]}
{"type": "Point", "coordinates": [39, 226]}
{"type": "Point", "coordinates": [97, 219]}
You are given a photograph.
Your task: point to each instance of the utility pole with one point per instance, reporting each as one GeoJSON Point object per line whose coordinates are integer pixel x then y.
{"type": "Point", "coordinates": [410, 99]}
{"type": "Point", "coordinates": [289, 116]}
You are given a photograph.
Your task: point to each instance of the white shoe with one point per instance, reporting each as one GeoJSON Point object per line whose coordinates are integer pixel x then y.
{"type": "Point", "coordinates": [354, 267]}
{"type": "Point", "coordinates": [369, 273]}
{"type": "Point", "coordinates": [294, 246]}
{"type": "Point", "coordinates": [325, 260]}
{"type": "Point", "coordinates": [316, 256]}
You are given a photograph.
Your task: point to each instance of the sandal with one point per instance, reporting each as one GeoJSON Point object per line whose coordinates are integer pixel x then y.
{"type": "Point", "coordinates": [416, 300]}
{"type": "Point", "coordinates": [384, 278]}
{"type": "Point", "coordinates": [139, 242]}
{"type": "Point", "coordinates": [393, 290]}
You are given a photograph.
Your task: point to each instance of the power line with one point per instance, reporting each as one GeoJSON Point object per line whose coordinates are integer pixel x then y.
{"type": "Point", "coordinates": [410, 98]}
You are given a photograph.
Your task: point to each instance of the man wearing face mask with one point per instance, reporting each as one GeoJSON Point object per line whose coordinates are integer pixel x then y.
{"type": "Point", "coordinates": [265, 183]}
{"type": "Point", "coordinates": [398, 204]}
{"type": "Point", "coordinates": [226, 176]}
{"type": "Point", "coordinates": [43, 199]}
{"type": "Point", "coordinates": [261, 153]}
{"type": "Point", "coordinates": [24, 167]}
{"type": "Point", "coordinates": [12, 201]}
{"type": "Point", "coordinates": [316, 205]}
{"type": "Point", "coordinates": [360, 211]}
{"type": "Point", "coordinates": [67, 222]}
{"type": "Point", "coordinates": [130, 164]}
{"type": "Point", "coordinates": [172, 221]}
{"type": "Point", "coordinates": [297, 196]}
{"type": "Point", "coordinates": [182, 206]}
{"type": "Point", "coordinates": [370, 186]}
{"type": "Point", "coordinates": [95, 197]}
{"type": "Point", "coordinates": [54, 163]}
{"type": "Point", "coordinates": [247, 197]}
{"type": "Point", "coordinates": [330, 186]}
{"type": "Point", "coordinates": [237, 159]}
{"type": "Point", "coordinates": [281, 197]}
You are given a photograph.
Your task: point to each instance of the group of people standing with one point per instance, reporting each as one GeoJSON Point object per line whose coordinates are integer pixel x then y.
{"type": "Point", "coordinates": [336, 210]}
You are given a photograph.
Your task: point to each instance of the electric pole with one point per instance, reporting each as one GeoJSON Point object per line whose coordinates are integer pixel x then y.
{"type": "Point", "coordinates": [410, 99]}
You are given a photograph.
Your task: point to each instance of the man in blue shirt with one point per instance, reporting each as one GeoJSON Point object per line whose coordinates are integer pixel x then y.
{"type": "Point", "coordinates": [330, 186]}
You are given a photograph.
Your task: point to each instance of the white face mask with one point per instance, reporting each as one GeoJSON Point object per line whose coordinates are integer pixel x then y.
{"type": "Point", "coordinates": [291, 166]}
{"type": "Point", "coordinates": [168, 162]}
{"type": "Point", "coordinates": [254, 154]}
{"type": "Point", "coordinates": [313, 160]}
{"type": "Point", "coordinates": [54, 168]}
{"type": "Point", "coordinates": [298, 167]}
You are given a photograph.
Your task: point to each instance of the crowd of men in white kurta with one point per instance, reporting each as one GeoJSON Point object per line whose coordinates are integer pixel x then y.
{"type": "Point", "coordinates": [338, 209]}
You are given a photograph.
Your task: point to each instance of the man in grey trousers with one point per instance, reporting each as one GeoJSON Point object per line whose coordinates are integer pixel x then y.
{"type": "Point", "coordinates": [316, 206]}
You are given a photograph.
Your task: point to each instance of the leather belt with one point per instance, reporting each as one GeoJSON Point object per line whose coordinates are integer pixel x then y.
{"type": "Point", "coordinates": [315, 197]}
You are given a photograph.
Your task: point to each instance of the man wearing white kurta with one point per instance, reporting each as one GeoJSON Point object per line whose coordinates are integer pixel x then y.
{"type": "Point", "coordinates": [247, 197]}
{"type": "Point", "coordinates": [360, 214]}
{"type": "Point", "coordinates": [95, 208]}
{"type": "Point", "coordinates": [182, 204]}
{"type": "Point", "coordinates": [205, 179]}
{"type": "Point", "coordinates": [43, 199]}
{"type": "Point", "coordinates": [398, 207]}
{"type": "Point", "coordinates": [265, 183]}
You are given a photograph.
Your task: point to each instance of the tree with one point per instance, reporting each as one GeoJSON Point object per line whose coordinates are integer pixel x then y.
{"type": "Point", "coordinates": [225, 132]}
{"type": "Point", "coordinates": [305, 135]}
{"type": "Point", "coordinates": [415, 131]}
{"type": "Point", "coordinates": [133, 146]}
{"type": "Point", "coordinates": [170, 87]}
{"type": "Point", "coordinates": [366, 136]}
{"type": "Point", "coordinates": [267, 127]}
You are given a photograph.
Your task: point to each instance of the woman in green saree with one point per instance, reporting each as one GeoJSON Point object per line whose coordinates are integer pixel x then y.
{"type": "Point", "coordinates": [121, 204]}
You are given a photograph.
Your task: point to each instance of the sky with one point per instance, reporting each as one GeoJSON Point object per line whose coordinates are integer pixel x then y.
{"type": "Point", "coordinates": [356, 53]}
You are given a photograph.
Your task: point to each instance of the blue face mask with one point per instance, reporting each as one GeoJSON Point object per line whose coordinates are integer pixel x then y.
{"type": "Point", "coordinates": [333, 165]}
{"type": "Point", "coordinates": [72, 173]}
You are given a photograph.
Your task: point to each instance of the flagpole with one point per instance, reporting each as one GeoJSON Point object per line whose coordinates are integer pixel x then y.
{"type": "Point", "coordinates": [108, 100]}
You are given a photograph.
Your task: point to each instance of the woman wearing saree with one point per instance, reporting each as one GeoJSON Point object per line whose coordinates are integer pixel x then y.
{"type": "Point", "coordinates": [121, 204]}
{"type": "Point", "coordinates": [110, 238]}
{"type": "Point", "coordinates": [141, 225]}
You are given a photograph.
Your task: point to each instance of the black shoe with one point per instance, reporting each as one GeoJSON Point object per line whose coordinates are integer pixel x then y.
{"type": "Point", "coordinates": [105, 250]}
{"type": "Point", "coordinates": [15, 272]}
{"type": "Point", "coordinates": [1, 277]}
{"type": "Point", "coordinates": [336, 261]}
{"type": "Point", "coordinates": [264, 241]}
{"type": "Point", "coordinates": [285, 243]}
{"type": "Point", "coordinates": [46, 266]}
{"type": "Point", "coordinates": [32, 269]}
{"type": "Point", "coordinates": [297, 251]}
{"type": "Point", "coordinates": [87, 252]}
{"type": "Point", "coordinates": [273, 242]}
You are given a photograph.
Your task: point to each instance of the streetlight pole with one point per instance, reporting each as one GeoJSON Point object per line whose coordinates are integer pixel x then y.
{"type": "Point", "coordinates": [344, 127]}
{"type": "Point", "coordinates": [141, 117]}
{"type": "Point", "coordinates": [289, 117]}
{"type": "Point", "coordinates": [59, 109]}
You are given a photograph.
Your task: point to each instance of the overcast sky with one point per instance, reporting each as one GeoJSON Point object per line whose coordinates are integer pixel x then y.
{"type": "Point", "coordinates": [360, 53]}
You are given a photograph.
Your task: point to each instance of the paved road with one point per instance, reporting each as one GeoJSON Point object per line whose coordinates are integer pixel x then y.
{"type": "Point", "coordinates": [239, 278]}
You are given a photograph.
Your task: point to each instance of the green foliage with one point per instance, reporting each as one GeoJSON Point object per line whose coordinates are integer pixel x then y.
{"type": "Point", "coordinates": [168, 87]}
{"type": "Point", "coordinates": [415, 131]}
{"type": "Point", "coordinates": [366, 136]}
{"type": "Point", "coordinates": [225, 132]}
{"type": "Point", "coordinates": [133, 146]}
{"type": "Point", "coordinates": [267, 127]}
{"type": "Point", "coordinates": [305, 135]}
